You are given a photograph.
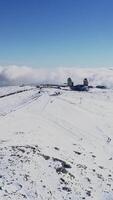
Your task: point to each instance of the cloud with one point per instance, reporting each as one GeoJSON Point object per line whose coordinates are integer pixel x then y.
{"type": "Point", "coordinates": [16, 75]}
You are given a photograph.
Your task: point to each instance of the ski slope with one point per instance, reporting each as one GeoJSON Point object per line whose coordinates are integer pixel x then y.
{"type": "Point", "coordinates": [56, 147]}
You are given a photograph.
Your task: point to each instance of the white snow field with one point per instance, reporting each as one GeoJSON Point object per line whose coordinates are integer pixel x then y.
{"type": "Point", "coordinates": [56, 147]}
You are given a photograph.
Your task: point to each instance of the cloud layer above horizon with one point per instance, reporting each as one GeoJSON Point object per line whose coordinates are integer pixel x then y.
{"type": "Point", "coordinates": [16, 75]}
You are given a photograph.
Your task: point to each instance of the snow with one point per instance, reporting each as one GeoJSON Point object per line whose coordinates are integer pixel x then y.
{"type": "Point", "coordinates": [56, 146]}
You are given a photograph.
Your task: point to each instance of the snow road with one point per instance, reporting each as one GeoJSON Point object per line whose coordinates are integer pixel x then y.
{"type": "Point", "coordinates": [56, 146]}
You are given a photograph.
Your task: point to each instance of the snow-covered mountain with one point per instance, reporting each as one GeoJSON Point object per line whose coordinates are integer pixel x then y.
{"type": "Point", "coordinates": [56, 144]}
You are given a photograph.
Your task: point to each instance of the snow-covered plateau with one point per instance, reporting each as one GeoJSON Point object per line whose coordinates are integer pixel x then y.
{"type": "Point", "coordinates": [56, 144]}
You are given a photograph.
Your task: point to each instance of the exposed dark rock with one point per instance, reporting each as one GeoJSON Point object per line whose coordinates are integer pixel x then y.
{"type": "Point", "coordinates": [19, 133]}
{"type": "Point", "coordinates": [88, 192]}
{"type": "Point", "coordinates": [88, 179]}
{"type": "Point", "coordinates": [24, 196]}
{"type": "Point", "coordinates": [66, 165]}
{"type": "Point", "coordinates": [71, 175]}
{"type": "Point", "coordinates": [66, 189]}
{"type": "Point", "coordinates": [101, 167]}
{"type": "Point", "coordinates": [77, 152]}
{"type": "Point", "coordinates": [44, 186]}
{"type": "Point", "coordinates": [63, 181]}
{"type": "Point", "coordinates": [22, 150]}
{"type": "Point", "coordinates": [100, 176]}
{"type": "Point", "coordinates": [45, 156]}
{"type": "Point", "coordinates": [109, 175]}
{"type": "Point", "coordinates": [61, 170]}
{"type": "Point", "coordinates": [56, 148]}
{"type": "Point", "coordinates": [108, 140]}
{"type": "Point", "coordinates": [81, 166]}
{"type": "Point", "coordinates": [93, 156]}
{"type": "Point", "coordinates": [26, 177]}
{"type": "Point", "coordinates": [63, 163]}
{"type": "Point", "coordinates": [109, 184]}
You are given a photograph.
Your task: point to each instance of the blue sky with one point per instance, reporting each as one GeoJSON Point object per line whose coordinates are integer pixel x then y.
{"type": "Point", "coordinates": [54, 33]}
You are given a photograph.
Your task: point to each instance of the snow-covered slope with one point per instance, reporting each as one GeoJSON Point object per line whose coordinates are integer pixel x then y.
{"type": "Point", "coordinates": [55, 147]}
